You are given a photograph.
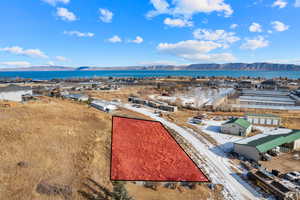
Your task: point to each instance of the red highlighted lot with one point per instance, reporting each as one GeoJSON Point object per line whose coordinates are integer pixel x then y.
{"type": "Point", "coordinates": [145, 151]}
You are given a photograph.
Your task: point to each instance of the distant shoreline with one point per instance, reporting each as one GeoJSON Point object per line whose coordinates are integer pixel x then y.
{"type": "Point", "coordinates": [48, 75]}
{"type": "Point", "coordinates": [150, 70]}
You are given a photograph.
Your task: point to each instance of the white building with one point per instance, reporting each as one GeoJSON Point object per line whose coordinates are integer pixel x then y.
{"type": "Point", "coordinates": [14, 92]}
{"type": "Point", "coordinates": [104, 105]}
{"type": "Point", "coordinates": [77, 97]}
{"type": "Point", "coordinates": [264, 119]}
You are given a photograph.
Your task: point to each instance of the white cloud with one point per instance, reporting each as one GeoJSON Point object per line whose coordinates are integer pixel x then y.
{"type": "Point", "coordinates": [115, 39]}
{"type": "Point", "coordinates": [188, 47]}
{"type": "Point", "coordinates": [187, 8]}
{"type": "Point", "coordinates": [280, 3]}
{"type": "Point", "coordinates": [79, 34]}
{"type": "Point", "coordinates": [16, 63]}
{"type": "Point", "coordinates": [25, 52]}
{"type": "Point", "coordinates": [54, 2]}
{"type": "Point", "coordinates": [297, 3]}
{"type": "Point", "coordinates": [195, 50]}
{"type": "Point", "coordinates": [61, 58]}
{"type": "Point", "coordinates": [219, 57]}
{"type": "Point", "coordinates": [285, 61]}
{"type": "Point", "coordinates": [160, 6]}
{"type": "Point", "coordinates": [178, 22]}
{"type": "Point", "coordinates": [65, 14]}
{"type": "Point", "coordinates": [255, 43]}
{"type": "Point", "coordinates": [220, 36]}
{"type": "Point", "coordinates": [154, 63]}
{"type": "Point", "coordinates": [233, 26]}
{"type": "Point", "coordinates": [105, 15]}
{"type": "Point", "coordinates": [51, 63]}
{"type": "Point", "coordinates": [137, 40]}
{"type": "Point", "coordinates": [255, 27]}
{"type": "Point", "coordinates": [279, 26]}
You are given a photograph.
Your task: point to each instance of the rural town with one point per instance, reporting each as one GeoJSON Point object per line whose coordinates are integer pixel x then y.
{"type": "Point", "coordinates": [240, 133]}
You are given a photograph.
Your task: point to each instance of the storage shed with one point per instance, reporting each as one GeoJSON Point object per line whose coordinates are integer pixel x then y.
{"type": "Point", "coordinates": [237, 126]}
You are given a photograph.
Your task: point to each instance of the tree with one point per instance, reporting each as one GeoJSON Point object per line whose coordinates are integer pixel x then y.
{"type": "Point", "coordinates": [120, 192]}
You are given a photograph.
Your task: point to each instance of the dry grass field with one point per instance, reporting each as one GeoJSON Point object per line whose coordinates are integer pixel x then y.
{"type": "Point", "coordinates": [54, 142]}
{"type": "Point", "coordinates": [49, 147]}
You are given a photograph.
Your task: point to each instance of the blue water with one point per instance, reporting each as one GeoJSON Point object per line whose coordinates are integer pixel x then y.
{"type": "Point", "coordinates": [46, 75]}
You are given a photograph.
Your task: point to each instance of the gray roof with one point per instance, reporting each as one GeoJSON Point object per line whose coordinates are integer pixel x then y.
{"type": "Point", "coordinates": [262, 115]}
{"type": "Point", "coordinates": [14, 88]}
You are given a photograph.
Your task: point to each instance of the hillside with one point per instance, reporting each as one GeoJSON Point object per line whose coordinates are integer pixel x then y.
{"type": "Point", "coordinates": [51, 148]}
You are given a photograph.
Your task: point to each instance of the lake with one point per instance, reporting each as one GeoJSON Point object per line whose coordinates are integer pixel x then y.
{"type": "Point", "coordinates": [46, 75]}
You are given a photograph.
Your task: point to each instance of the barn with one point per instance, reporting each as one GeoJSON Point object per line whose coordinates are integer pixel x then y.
{"type": "Point", "coordinates": [237, 126]}
{"type": "Point", "coordinates": [254, 147]}
{"type": "Point", "coordinates": [14, 92]}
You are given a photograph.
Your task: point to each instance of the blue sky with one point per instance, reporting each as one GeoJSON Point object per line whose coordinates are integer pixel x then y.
{"type": "Point", "coordinates": [145, 32]}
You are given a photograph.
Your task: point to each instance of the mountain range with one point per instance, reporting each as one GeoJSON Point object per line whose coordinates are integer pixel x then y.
{"type": "Point", "coordinates": [227, 66]}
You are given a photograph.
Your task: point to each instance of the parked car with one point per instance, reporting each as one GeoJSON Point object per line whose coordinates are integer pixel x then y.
{"type": "Point", "coordinates": [136, 105]}
{"type": "Point", "coordinates": [274, 153]}
{"type": "Point", "coordinates": [297, 174]}
{"type": "Point", "coordinates": [298, 181]}
{"type": "Point", "coordinates": [157, 112]}
{"type": "Point", "coordinates": [290, 177]}
{"type": "Point", "coordinates": [275, 172]}
{"type": "Point", "coordinates": [266, 157]}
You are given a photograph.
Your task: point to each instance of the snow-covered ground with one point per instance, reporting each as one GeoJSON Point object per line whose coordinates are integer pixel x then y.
{"type": "Point", "coordinates": [213, 129]}
{"type": "Point", "coordinates": [217, 165]}
{"type": "Point", "coordinates": [272, 130]}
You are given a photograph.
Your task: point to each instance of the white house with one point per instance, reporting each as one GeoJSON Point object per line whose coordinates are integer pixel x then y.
{"type": "Point", "coordinates": [14, 92]}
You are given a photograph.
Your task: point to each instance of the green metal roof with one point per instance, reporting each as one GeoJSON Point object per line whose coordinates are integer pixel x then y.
{"type": "Point", "coordinates": [269, 142]}
{"type": "Point", "coordinates": [242, 122]}
{"type": "Point", "coordinates": [295, 135]}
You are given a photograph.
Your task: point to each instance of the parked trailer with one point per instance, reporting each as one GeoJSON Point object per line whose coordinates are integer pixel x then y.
{"type": "Point", "coordinates": [269, 185]}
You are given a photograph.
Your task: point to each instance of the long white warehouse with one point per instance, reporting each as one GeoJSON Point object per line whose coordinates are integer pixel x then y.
{"type": "Point", "coordinates": [104, 105]}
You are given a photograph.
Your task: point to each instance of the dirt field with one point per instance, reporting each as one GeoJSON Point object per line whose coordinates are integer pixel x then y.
{"type": "Point", "coordinates": [48, 148]}
{"type": "Point", "coordinates": [200, 192]}
{"type": "Point", "coordinates": [284, 163]}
